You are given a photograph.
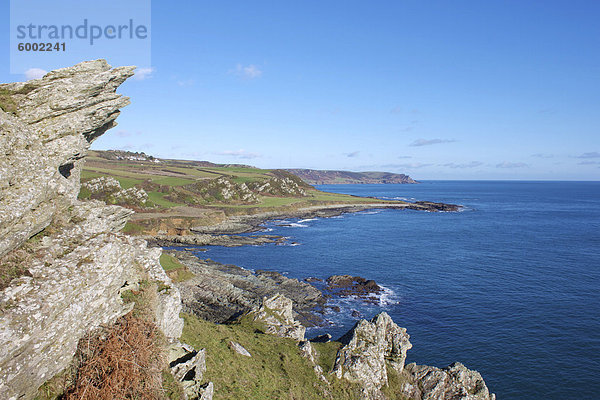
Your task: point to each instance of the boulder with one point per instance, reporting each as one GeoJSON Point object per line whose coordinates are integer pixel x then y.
{"type": "Point", "coordinates": [324, 338]}
{"type": "Point", "coordinates": [238, 348]}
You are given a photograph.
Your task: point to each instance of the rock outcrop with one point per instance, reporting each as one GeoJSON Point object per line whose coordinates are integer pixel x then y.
{"type": "Point", "coordinates": [224, 189]}
{"type": "Point", "coordinates": [227, 190]}
{"type": "Point", "coordinates": [348, 285]}
{"type": "Point", "coordinates": [369, 347]}
{"type": "Point", "coordinates": [279, 186]}
{"type": "Point", "coordinates": [277, 316]}
{"type": "Point", "coordinates": [78, 262]}
{"type": "Point", "coordinates": [455, 382]}
{"type": "Point", "coordinates": [44, 141]}
{"type": "Point", "coordinates": [373, 347]}
{"type": "Point", "coordinates": [188, 366]}
{"type": "Point", "coordinates": [109, 189]}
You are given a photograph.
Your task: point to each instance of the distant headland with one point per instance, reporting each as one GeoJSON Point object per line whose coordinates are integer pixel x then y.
{"type": "Point", "coordinates": [323, 177]}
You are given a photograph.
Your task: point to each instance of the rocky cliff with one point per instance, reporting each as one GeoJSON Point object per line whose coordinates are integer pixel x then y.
{"type": "Point", "coordinates": [74, 264]}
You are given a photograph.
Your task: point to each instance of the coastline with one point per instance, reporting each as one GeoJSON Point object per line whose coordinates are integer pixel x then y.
{"type": "Point", "coordinates": [220, 292]}
{"type": "Point", "coordinates": [239, 224]}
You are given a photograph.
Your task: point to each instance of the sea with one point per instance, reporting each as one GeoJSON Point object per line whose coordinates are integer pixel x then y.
{"type": "Point", "coordinates": [509, 286]}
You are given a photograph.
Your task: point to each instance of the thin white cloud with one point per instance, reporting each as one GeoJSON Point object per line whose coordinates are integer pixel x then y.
{"type": "Point", "coordinates": [542, 155]}
{"type": "Point", "coordinates": [247, 72]}
{"type": "Point", "coordinates": [589, 163]}
{"type": "Point", "coordinates": [404, 157]}
{"type": "Point", "coordinates": [429, 142]}
{"type": "Point", "coordinates": [353, 154]}
{"type": "Point", "coordinates": [507, 164]}
{"type": "Point", "coordinates": [35, 73]}
{"type": "Point", "coordinates": [143, 73]}
{"type": "Point", "coordinates": [123, 133]}
{"type": "Point", "coordinates": [407, 165]}
{"type": "Point", "coordinates": [593, 154]}
{"type": "Point", "coordinates": [186, 82]}
{"type": "Point", "coordinates": [239, 154]}
{"type": "Point", "coordinates": [472, 164]}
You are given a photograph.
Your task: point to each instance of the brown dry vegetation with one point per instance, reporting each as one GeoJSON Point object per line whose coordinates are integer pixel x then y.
{"type": "Point", "coordinates": [120, 362]}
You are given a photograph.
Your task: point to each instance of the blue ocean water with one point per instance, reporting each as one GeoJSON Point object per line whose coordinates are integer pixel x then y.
{"type": "Point", "coordinates": [509, 287]}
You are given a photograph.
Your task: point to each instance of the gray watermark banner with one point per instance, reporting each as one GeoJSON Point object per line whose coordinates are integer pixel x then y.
{"type": "Point", "coordinates": [46, 35]}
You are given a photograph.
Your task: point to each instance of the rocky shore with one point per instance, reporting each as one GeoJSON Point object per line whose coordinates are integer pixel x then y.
{"type": "Point", "coordinates": [220, 293]}
{"type": "Point", "coordinates": [252, 223]}
{"type": "Point", "coordinates": [213, 240]}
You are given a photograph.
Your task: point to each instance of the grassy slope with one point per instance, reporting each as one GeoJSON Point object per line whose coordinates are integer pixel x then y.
{"type": "Point", "coordinates": [276, 369]}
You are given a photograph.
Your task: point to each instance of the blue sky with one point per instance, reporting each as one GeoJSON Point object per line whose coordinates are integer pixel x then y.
{"type": "Point", "coordinates": [435, 89]}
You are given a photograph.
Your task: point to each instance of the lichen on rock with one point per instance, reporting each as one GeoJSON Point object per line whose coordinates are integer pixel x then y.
{"type": "Point", "coordinates": [44, 142]}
